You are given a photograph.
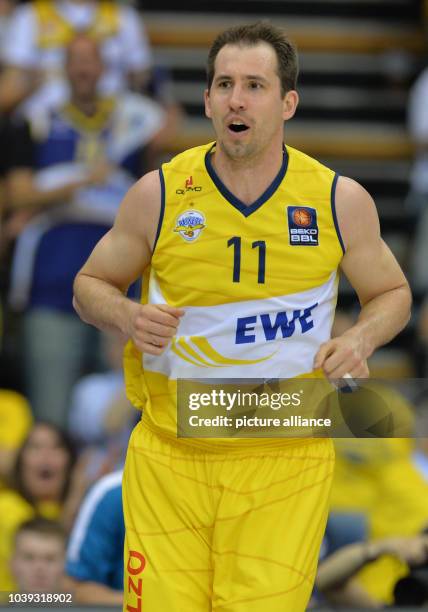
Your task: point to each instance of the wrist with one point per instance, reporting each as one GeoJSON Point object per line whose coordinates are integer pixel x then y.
{"type": "Point", "coordinates": [128, 310]}
{"type": "Point", "coordinates": [362, 338]}
{"type": "Point", "coordinates": [371, 552]}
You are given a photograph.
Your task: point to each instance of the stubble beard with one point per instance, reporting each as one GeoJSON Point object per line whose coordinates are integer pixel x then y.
{"type": "Point", "coordinates": [239, 151]}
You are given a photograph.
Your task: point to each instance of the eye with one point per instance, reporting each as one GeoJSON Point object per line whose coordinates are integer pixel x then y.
{"type": "Point", "coordinates": [255, 85]}
{"type": "Point", "coordinates": [223, 84]}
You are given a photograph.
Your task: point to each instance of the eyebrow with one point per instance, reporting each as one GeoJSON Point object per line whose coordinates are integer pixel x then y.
{"type": "Point", "coordinates": [248, 77]}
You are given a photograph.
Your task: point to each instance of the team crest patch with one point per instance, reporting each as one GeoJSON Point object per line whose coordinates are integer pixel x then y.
{"type": "Point", "coordinates": [190, 224]}
{"type": "Point", "coordinates": [302, 225]}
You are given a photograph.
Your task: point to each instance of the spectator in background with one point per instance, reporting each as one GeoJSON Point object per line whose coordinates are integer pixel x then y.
{"type": "Point", "coordinates": [14, 153]}
{"type": "Point", "coordinates": [43, 485]}
{"type": "Point", "coordinates": [39, 34]}
{"type": "Point", "coordinates": [105, 435]}
{"type": "Point", "coordinates": [336, 576]}
{"type": "Point", "coordinates": [94, 565]}
{"type": "Point", "coordinates": [37, 562]}
{"type": "Point", "coordinates": [399, 508]}
{"type": "Point", "coordinates": [86, 156]}
{"type": "Point", "coordinates": [6, 9]}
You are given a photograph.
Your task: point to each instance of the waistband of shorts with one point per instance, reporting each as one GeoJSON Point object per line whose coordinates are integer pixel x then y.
{"type": "Point", "coordinates": [238, 446]}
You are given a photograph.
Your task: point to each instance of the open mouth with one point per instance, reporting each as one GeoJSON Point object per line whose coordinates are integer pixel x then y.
{"type": "Point", "coordinates": [237, 127]}
{"type": "Point", "coordinates": [45, 473]}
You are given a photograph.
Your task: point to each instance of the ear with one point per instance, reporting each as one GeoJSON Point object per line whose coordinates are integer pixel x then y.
{"type": "Point", "coordinates": [207, 103]}
{"type": "Point", "coordinates": [290, 102]}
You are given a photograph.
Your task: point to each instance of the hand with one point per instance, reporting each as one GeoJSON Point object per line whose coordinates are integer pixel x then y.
{"type": "Point", "coordinates": [153, 325]}
{"type": "Point", "coordinates": [342, 355]}
{"type": "Point", "coordinates": [99, 173]}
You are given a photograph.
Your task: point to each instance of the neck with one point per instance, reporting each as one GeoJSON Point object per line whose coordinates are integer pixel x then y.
{"type": "Point", "coordinates": [86, 106]}
{"type": "Point", "coordinates": [248, 178]}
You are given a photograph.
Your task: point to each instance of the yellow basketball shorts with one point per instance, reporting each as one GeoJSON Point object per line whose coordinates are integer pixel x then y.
{"type": "Point", "coordinates": [223, 531]}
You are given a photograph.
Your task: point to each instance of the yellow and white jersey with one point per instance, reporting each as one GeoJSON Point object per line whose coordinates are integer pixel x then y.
{"type": "Point", "coordinates": [258, 283]}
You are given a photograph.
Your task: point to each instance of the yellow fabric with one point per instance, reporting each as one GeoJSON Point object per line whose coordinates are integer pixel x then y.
{"type": "Point", "coordinates": [242, 531]}
{"type": "Point", "coordinates": [55, 31]}
{"type": "Point", "coordinates": [15, 419]}
{"type": "Point", "coordinates": [401, 510]}
{"type": "Point", "coordinates": [92, 123]}
{"type": "Point", "coordinates": [15, 423]}
{"type": "Point", "coordinates": [15, 510]}
{"type": "Point", "coordinates": [360, 462]}
{"type": "Point", "coordinates": [196, 271]}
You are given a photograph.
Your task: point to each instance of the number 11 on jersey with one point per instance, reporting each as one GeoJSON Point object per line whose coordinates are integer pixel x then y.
{"type": "Point", "coordinates": [236, 243]}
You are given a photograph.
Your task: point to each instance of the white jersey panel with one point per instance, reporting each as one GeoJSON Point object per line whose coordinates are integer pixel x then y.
{"type": "Point", "coordinates": [272, 338]}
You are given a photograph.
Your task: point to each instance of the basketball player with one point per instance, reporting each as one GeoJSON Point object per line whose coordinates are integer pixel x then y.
{"type": "Point", "coordinates": [239, 242]}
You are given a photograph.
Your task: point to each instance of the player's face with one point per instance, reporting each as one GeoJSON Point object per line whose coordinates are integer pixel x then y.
{"type": "Point", "coordinates": [245, 101]}
{"type": "Point", "coordinates": [38, 562]}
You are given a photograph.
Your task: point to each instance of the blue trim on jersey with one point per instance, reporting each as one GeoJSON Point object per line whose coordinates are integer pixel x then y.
{"type": "Point", "coordinates": [236, 202]}
{"type": "Point", "coordinates": [162, 208]}
{"type": "Point", "coordinates": [333, 210]}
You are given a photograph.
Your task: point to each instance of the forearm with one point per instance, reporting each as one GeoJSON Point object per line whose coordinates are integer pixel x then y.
{"type": "Point", "coordinates": [382, 318]}
{"type": "Point", "coordinates": [352, 594]}
{"type": "Point", "coordinates": [342, 565]}
{"type": "Point", "coordinates": [102, 305]}
{"type": "Point", "coordinates": [15, 86]}
{"type": "Point", "coordinates": [23, 197]}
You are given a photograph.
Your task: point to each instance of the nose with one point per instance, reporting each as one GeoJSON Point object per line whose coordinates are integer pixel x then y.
{"type": "Point", "coordinates": [237, 98]}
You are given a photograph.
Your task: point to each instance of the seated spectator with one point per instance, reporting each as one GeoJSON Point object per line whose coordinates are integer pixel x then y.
{"type": "Point", "coordinates": [38, 35]}
{"type": "Point", "coordinates": [38, 558]}
{"type": "Point", "coordinates": [87, 154]}
{"type": "Point", "coordinates": [399, 508]}
{"type": "Point", "coordinates": [336, 576]}
{"type": "Point", "coordinates": [42, 486]}
{"type": "Point", "coordinates": [94, 563]}
{"type": "Point", "coordinates": [103, 396]}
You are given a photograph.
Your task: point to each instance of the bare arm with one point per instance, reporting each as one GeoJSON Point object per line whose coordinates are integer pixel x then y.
{"type": "Point", "coordinates": [377, 278]}
{"type": "Point", "coordinates": [335, 576]}
{"type": "Point", "coordinates": [16, 84]}
{"type": "Point", "coordinates": [118, 259]}
{"type": "Point", "coordinates": [23, 193]}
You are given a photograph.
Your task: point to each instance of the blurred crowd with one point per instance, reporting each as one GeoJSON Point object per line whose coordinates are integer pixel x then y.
{"type": "Point", "coordinates": [83, 113]}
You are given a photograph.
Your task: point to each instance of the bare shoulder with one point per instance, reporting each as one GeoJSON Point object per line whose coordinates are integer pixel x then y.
{"type": "Point", "coordinates": [356, 211]}
{"type": "Point", "coordinates": [140, 209]}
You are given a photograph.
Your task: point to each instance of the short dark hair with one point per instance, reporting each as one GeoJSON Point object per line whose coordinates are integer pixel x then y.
{"type": "Point", "coordinates": [253, 34]}
{"type": "Point", "coordinates": [42, 526]}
